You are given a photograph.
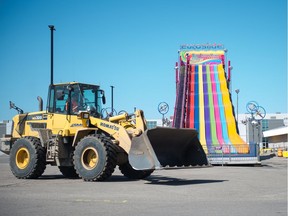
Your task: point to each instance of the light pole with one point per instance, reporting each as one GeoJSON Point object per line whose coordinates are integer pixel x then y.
{"type": "Point", "coordinates": [52, 28]}
{"type": "Point", "coordinates": [112, 98]}
{"type": "Point", "coordinates": [237, 92]}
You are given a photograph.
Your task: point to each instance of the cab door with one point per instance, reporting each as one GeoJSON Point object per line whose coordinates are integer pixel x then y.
{"type": "Point", "coordinates": [58, 118]}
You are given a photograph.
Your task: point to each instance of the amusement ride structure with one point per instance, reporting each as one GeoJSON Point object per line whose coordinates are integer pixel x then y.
{"type": "Point", "coordinates": [203, 98]}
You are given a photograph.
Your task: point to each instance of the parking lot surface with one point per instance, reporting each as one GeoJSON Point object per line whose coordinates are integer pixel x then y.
{"type": "Point", "coordinates": [227, 190]}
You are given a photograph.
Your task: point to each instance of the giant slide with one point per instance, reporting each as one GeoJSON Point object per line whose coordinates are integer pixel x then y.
{"type": "Point", "coordinates": [203, 101]}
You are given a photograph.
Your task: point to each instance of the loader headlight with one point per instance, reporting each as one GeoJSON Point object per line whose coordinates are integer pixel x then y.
{"type": "Point", "coordinates": [83, 115]}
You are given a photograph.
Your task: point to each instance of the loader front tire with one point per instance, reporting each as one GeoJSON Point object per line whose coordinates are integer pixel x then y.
{"type": "Point", "coordinates": [95, 158]}
{"type": "Point", "coordinates": [27, 158]}
{"type": "Point", "coordinates": [128, 171]}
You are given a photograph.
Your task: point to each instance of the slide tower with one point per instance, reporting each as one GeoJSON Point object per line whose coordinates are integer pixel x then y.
{"type": "Point", "coordinates": [203, 99]}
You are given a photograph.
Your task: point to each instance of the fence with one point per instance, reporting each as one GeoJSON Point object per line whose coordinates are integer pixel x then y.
{"type": "Point", "coordinates": [234, 154]}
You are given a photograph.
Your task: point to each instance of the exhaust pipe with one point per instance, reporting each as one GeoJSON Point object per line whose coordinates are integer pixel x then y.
{"type": "Point", "coordinates": [40, 103]}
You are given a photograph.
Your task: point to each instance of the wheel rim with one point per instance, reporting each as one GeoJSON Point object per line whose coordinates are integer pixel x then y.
{"type": "Point", "coordinates": [22, 158]}
{"type": "Point", "coordinates": [89, 158]}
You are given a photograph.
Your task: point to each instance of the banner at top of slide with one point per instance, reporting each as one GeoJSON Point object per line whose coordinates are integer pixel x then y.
{"type": "Point", "coordinates": [203, 57]}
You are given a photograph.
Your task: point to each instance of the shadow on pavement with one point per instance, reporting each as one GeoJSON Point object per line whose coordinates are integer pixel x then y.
{"type": "Point", "coordinates": [153, 180]}
{"type": "Point", "coordinates": [160, 180]}
{"type": "Point", "coordinates": [51, 177]}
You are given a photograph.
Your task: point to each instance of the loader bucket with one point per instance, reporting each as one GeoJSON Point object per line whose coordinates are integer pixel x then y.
{"type": "Point", "coordinates": [161, 147]}
{"type": "Point", "coordinates": [177, 147]}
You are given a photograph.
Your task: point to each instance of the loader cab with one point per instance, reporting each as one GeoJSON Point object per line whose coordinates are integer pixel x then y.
{"type": "Point", "coordinates": [71, 98]}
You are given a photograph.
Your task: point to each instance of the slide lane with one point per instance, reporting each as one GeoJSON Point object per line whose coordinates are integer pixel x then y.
{"type": "Point", "coordinates": [196, 101]}
{"type": "Point", "coordinates": [207, 121]}
{"type": "Point", "coordinates": [222, 117]}
{"type": "Point", "coordinates": [219, 133]}
{"type": "Point", "coordinates": [202, 119]}
{"type": "Point", "coordinates": [230, 119]}
{"type": "Point", "coordinates": [214, 140]}
{"type": "Point", "coordinates": [191, 104]}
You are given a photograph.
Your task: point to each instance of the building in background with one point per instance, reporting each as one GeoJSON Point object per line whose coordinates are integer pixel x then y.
{"type": "Point", "coordinates": [152, 123]}
{"type": "Point", "coordinates": [5, 128]}
{"type": "Point", "coordinates": [277, 138]}
{"type": "Point", "coordinates": [260, 131]}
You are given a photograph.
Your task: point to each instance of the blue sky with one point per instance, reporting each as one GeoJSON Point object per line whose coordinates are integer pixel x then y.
{"type": "Point", "coordinates": [133, 44]}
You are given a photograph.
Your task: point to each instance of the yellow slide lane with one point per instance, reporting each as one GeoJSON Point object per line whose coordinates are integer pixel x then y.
{"type": "Point", "coordinates": [234, 137]}
{"type": "Point", "coordinates": [201, 108]}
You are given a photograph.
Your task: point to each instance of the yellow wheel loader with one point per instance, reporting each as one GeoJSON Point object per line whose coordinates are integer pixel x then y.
{"type": "Point", "coordinates": [87, 142]}
{"type": "Point", "coordinates": [76, 134]}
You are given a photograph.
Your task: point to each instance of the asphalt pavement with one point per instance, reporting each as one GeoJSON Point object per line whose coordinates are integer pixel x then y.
{"type": "Point", "coordinates": [217, 191]}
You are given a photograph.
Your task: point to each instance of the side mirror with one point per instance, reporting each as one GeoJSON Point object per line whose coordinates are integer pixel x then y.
{"type": "Point", "coordinates": [103, 99]}
{"type": "Point", "coordinates": [103, 96]}
{"type": "Point", "coordinates": [13, 106]}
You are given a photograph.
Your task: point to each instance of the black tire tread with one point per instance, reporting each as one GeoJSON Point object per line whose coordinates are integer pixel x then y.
{"type": "Point", "coordinates": [40, 163]}
{"type": "Point", "coordinates": [111, 158]}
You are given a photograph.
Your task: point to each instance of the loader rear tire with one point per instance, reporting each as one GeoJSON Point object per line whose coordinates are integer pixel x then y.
{"type": "Point", "coordinates": [128, 171]}
{"type": "Point", "coordinates": [27, 158]}
{"type": "Point", "coordinates": [95, 158]}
